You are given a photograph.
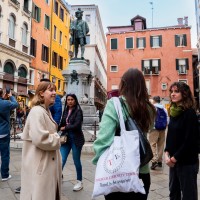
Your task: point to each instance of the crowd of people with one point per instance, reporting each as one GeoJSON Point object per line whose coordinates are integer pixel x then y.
{"type": "Point", "coordinates": [173, 132]}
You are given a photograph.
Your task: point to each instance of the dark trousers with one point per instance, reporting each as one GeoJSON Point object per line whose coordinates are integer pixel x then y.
{"type": "Point", "coordinates": [5, 156]}
{"type": "Point", "coordinates": [183, 182]}
{"type": "Point", "coordinates": [132, 195]}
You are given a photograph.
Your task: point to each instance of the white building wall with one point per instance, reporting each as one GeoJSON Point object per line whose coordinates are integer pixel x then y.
{"type": "Point", "coordinates": [96, 50]}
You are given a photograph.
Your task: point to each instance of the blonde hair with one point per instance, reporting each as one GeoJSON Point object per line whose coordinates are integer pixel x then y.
{"type": "Point", "coordinates": [42, 87]}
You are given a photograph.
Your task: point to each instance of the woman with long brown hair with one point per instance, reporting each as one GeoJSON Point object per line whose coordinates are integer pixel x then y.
{"type": "Point", "coordinates": [181, 151]}
{"type": "Point", "coordinates": [134, 94]}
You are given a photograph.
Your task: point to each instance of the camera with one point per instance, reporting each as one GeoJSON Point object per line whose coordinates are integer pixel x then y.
{"type": "Point", "coordinates": [7, 89]}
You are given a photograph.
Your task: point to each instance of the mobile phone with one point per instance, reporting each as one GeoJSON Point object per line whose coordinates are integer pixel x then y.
{"type": "Point", "coordinates": [7, 89]}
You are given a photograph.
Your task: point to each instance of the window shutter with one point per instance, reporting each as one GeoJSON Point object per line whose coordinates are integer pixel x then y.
{"type": "Point", "coordinates": [151, 41]}
{"type": "Point", "coordinates": [47, 54]}
{"type": "Point", "coordinates": [143, 65]}
{"type": "Point", "coordinates": [176, 40]}
{"type": "Point", "coordinates": [187, 63]}
{"type": "Point", "coordinates": [177, 65]}
{"type": "Point", "coordinates": [35, 45]}
{"type": "Point", "coordinates": [159, 64]}
{"type": "Point", "coordinates": [150, 62]}
{"type": "Point", "coordinates": [160, 40]}
{"type": "Point", "coordinates": [137, 42]}
{"type": "Point", "coordinates": [33, 10]}
{"type": "Point", "coordinates": [42, 52]}
{"type": "Point", "coordinates": [144, 39]}
{"type": "Point", "coordinates": [39, 14]}
{"type": "Point", "coordinates": [185, 39]}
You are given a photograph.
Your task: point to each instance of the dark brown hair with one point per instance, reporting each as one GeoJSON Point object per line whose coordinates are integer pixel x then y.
{"type": "Point", "coordinates": [187, 97]}
{"type": "Point", "coordinates": [43, 86]}
{"type": "Point", "coordinates": [133, 88]}
{"type": "Point", "coordinates": [1, 92]}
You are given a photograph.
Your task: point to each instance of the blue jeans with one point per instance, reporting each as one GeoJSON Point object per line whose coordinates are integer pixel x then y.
{"type": "Point", "coordinates": [5, 156]}
{"type": "Point", "coordinates": [19, 121]}
{"type": "Point", "coordinates": [76, 154]}
{"type": "Point", "coordinates": [183, 182]}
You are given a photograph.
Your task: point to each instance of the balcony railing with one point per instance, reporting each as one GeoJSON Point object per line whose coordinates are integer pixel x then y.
{"type": "Point", "coordinates": [26, 10]}
{"type": "Point", "coordinates": [15, 2]}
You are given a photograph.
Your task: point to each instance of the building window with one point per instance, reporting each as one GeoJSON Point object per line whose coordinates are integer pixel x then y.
{"type": "Point", "coordinates": [47, 1]}
{"type": "Point", "coordinates": [60, 38]}
{"type": "Point", "coordinates": [156, 41]}
{"type": "Point", "coordinates": [60, 62]}
{"type": "Point", "coordinates": [54, 33]}
{"type": "Point", "coordinates": [155, 66]}
{"type": "Point", "coordinates": [114, 87]}
{"type": "Point", "coordinates": [22, 72]}
{"type": "Point", "coordinates": [31, 76]}
{"type": "Point", "coordinates": [45, 53]}
{"type": "Point", "coordinates": [146, 66]}
{"type": "Point", "coordinates": [47, 22]}
{"type": "Point", "coordinates": [61, 14]}
{"type": "Point", "coordinates": [88, 39]}
{"type": "Point", "coordinates": [11, 29]}
{"type": "Point", "coordinates": [183, 80]}
{"type": "Point", "coordinates": [113, 44]}
{"type": "Point", "coordinates": [56, 7]}
{"type": "Point", "coordinates": [87, 18]}
{"type": "Point", "coordinates": [129, 43]}
{"type": "Point", "coordinates": [114, 68]}
{"type": "Point", "coordinates": [182, 66]}
{"type": "Point", "coordinates": [164, 86]}
{"type": "Point", "coordinates": [59, 88]}
{"type": "Point", "coordinates": [36, 13]}
{"type": "Point", "coordinates": [141, 43]}
{"type": "Point", "coordinates": [180, 40]}
{"type": "Point", "coordinates": [54, 59]}
{"type": "Point", "coordinates": [24, 34]}
{"type": "Point", "coordinates": [33, 47]}
{"type": "Point", "coordinates": [9, 68]}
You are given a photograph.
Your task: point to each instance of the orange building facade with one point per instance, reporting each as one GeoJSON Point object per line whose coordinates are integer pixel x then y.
{"type": "Point", "coordinates": [40, 41]}
{"type": "Point", "coordinates": [163, 54]}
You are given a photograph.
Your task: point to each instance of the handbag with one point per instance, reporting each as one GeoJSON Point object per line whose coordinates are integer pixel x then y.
{"type": "Point", "coordinates": [63, 138]}
{"type": "Point", "coordinates": [146, 153]}
{"type": "Point", "coordinates": [118, 167]}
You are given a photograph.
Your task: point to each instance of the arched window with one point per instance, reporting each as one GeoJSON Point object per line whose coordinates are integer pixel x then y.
{"type": "Point", "coordinates": [22, 72]}
{"type": "Point", "coordinates": [9, 68]}
{"type": "Point", "coordinates": [24, 34]}
{"type": "Point", "coordinates": [11, 28]}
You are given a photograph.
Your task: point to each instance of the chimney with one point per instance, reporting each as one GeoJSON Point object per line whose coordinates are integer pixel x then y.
{"type": "Point", "coordinates": [180, 21]}
{"type": "Point", "coordinates": [186, 20]}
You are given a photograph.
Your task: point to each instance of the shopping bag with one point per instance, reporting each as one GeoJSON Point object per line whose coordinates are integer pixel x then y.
{"type": "Point", "coordinates": [118, 167]}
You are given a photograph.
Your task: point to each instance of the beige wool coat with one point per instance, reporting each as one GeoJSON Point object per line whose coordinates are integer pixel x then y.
{"type": "Point", "coordinates": [41, 169]}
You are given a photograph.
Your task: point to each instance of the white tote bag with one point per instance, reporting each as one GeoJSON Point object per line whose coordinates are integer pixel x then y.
{"type": "Point", "coordinates": [118, 167]}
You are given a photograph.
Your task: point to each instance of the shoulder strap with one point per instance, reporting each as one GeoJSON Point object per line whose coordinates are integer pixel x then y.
{"type": "Point", "coordinates": [118, 109]}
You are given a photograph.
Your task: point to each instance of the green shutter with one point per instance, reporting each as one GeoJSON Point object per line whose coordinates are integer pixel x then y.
{"type": "Point", "coordinates": [151, 41]}
{"type": "Point", "coordinates": [33, 10]}
{"type": "Point", "coordinates": [39, 14]}
{"type": "Point", "coordinates": [137, 42]}
{"type": "Point", "coordinates": [176, 40]}
{"type": "Point", "coordinates": [160, 40]}
{"type": "Point", "coordinates": [144, 42]}
{"type": "Point", "coordinates": [185, 39]}
{"type": "Point", "coordinates": [159, 64]}
{"type": "Point", "coordinates": [187, 63]}
{"type": "Point", "coordinates": [143, 65]}
{"type": "Point", "coordinates": [150, 62]}
{"type": "Point", "coordinates": [177, 65]}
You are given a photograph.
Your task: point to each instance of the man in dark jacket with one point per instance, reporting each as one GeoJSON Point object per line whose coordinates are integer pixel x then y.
{"type": "Point", "coordinates": [6, 106]}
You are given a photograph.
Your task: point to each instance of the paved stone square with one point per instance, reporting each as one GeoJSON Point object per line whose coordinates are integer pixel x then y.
{"type": "Point", "coordinates": [158, 190]}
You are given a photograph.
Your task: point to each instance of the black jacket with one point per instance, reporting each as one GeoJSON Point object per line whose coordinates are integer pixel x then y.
{"type": "Point", "coordinates": [75, 124]}
{"type": "Point", "coordinates": [182, 137]}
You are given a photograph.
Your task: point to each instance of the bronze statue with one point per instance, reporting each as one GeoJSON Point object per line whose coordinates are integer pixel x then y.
{"type": "Point", "coordinates": [74, 77]}
{"type": "Point", "coordinates": [79, 29]}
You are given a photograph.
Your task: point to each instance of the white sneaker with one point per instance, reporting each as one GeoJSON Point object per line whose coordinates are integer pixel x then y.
{"type": "Point", "coordinates": [5, 179]}
{"type": "Point", "coordinates": [78, 186]}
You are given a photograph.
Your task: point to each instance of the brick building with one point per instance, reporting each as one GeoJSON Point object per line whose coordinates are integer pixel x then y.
{"type": "Point", "coordinates": [163, 54]}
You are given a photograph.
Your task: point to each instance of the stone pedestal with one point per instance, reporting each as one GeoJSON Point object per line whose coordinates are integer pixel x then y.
{"type": "Point", "coordinates": [78, 78]}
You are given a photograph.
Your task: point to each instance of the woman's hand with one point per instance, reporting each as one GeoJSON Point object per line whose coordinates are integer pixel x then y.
{"type": "Point", "coordinates": [169, 161]}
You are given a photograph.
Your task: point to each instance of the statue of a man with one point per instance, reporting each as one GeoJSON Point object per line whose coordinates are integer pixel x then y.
{"type": "Point", "coordinates": [79, 28]}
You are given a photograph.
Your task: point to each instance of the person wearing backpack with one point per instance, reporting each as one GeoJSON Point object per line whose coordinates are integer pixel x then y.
{"type": "Point", "coordinates": [157, 134]}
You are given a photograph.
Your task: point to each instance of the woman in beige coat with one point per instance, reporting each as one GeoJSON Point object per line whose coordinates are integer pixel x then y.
{"type": "Point", "coordinates": [41, 161]}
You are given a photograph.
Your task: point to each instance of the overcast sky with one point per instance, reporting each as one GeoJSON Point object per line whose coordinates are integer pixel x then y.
{"type": "Point", "coordinates": [165, 13]}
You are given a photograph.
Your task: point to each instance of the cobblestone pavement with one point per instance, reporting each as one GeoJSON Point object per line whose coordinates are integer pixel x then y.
{"type": "Point", "coordinates": [158, 190]}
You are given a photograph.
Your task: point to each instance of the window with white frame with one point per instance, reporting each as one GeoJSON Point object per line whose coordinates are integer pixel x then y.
{"type": "Point", "coordinates": [180, 40]}
{"type": "Point", "coordinates": [87, 18]}
{"type": "Point", "coordinates": [113, 44]}
{"type": "Point", "coordinates": [182, 66]}
{"type": "Point", "coordinates": [141, 43]}
{"type": "Point", "coordinates": [11, 29]}
{"type": "Point", "coordinates": [24, 34]}
{"type": "Point", "coordinates": [113, 68]}
{"type": "Point", "coordinates": [114, 87]}
{"type": "Point", "coordinates": [183, 80]}
{"type": "Point", "coordinates": [146, 67]}
{"type": "Point", "coordinates": [156, 41]}
{"type": "Point", "coordinates": [155, 66]}
{"type": "Point", "coordinates": [60, 38]}
{"type": "Point", "coordinates": [129, 43]}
